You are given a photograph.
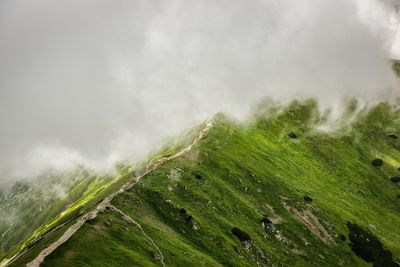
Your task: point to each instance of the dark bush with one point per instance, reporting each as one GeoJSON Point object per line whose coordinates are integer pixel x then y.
{"type": "Point", "coordinates": [182, 210]}
{"type": "Point", "coordinates": [395, 179]}
{"type": "Point", "coordinates": [243, 236]}
{"type": "Point", "coordinates": [377, 162]}
{"type": "Point", "coordinates": [292, 135]}
{"type": "Point", "coordinates": [393, 136]}
{"type": "Point", "coordinates": [188, 218]}
{"type": "Point", "coordinates": [198, 176]}
{"type": "Point", "coordinates": [342, 237]}
{"type": "Point", "coordinates": [368, 247]}
{"type": "Point", "coordinates": [307, 198]}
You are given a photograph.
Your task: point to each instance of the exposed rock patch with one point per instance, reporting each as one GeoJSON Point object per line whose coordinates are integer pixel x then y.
{"type": "Point", "coordinates": [310, 221]}
{"type": "Point", "coordinates": [265, 221]}
{"type": "Point", "coordinates": [274, 218]}
{"type": "Point", "coordinates": [268, 225]}
{"type": "Point", "coordinates": [175, 174]}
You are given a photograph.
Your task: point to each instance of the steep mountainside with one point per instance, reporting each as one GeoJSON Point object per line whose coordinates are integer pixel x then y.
{"type": "Point", "coordinates": [272, 192]}
{"type": "Point", "coordinates": [38, 201]}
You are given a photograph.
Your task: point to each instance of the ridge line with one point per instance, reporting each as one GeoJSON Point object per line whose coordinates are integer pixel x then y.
{"type": "Point", "coordinates": [107, 201]}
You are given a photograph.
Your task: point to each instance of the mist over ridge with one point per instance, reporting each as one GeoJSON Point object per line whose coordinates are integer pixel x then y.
{"type": "Point", "coordinates": [96, 82]}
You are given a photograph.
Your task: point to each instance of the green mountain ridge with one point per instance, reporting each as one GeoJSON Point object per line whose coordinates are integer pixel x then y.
{"type": "Point", "coordinates": [270, 192]}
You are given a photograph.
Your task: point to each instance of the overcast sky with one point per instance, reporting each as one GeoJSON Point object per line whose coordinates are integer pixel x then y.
{"type": "Point", "coordinates": [97, 81]}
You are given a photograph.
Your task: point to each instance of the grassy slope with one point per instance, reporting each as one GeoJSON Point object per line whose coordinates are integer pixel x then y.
{"type": "Point", "coordinates": [246, 170]}
{"type": "Point", "coordinates": [37, 203]}
{"type": "Point", "coordinates": [28, 199]}
{"type": "Point", "coordinates": [56, 214]}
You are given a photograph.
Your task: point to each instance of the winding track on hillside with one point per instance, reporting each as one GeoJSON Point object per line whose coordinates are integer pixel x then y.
{"type": "Point", "coordinates": [107, 202]}
{"type": "Point", "coordinates": [129, 219]}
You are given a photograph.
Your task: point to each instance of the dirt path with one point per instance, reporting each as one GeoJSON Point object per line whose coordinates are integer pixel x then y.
{"type": "Point", "coordinates": [107, 202]}
{"type": "Point", "coordinates": [129, 219]}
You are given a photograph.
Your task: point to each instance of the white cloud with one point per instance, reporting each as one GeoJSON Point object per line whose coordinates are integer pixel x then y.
{"type": "Point", "coordinates": [99, 81]}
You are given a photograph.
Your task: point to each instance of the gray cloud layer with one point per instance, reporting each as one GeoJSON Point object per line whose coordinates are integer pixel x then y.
{"type": "Point", "coordinates": [98, 81]}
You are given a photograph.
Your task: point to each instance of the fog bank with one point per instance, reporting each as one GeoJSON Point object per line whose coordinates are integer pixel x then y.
{"type": "Point", "coordinates": [94, 82]}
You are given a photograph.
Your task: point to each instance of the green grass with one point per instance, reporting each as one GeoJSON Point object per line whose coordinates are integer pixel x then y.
{"type": "Point", "coordinates": [35, 203]}
{"type": "Point", "coordinates": [250, 171]}
{"type": "Point", "coordinates": [80, 199]}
